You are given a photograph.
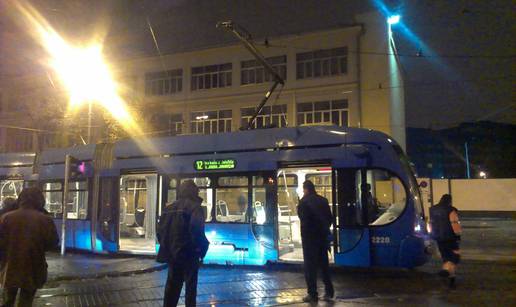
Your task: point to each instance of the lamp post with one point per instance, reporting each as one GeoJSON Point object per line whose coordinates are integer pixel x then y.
{"type": "Point", "coordinates": [394, 19]}
{"type": "Point", "coordinates": [466, 157]}
{"type": "Point", "coordinates": [90, 115]}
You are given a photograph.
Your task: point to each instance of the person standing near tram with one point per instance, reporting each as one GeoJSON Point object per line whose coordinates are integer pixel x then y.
{"type": "Point", "coordinates": [26, 233]}
{"type": "Point", "coordinates": [316, 218]}
{"type": "Point", "coordinates": [182, 244]}
{"type": "Point", "coordinates": [446, 230]}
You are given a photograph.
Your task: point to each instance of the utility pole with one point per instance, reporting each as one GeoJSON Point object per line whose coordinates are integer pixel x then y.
{"type": "Point", "coordinates": [65, 202]}
{"type": "Point", "coordinates": [90, 115]}
{"type": "Point", "coordinates": [466, 154]}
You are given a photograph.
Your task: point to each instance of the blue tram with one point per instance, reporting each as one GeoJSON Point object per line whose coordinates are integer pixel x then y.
{"type": "Point", "coordinates": [250, 182]}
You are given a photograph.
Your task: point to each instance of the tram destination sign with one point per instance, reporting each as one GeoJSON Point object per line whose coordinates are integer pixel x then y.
{"type": "Point", "coordinates": [213, 165]}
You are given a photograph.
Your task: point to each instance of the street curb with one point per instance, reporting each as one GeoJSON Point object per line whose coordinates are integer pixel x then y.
{"type": "Point", "coordinates": [154, 268]}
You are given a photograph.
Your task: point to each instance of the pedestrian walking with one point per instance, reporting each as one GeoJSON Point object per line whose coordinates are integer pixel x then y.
{"type": "Point", "coordinates": [446, 230]}
{"type": "Point", "coordinates": [183, 244]}
{"type": "Point", "coordinates": [25, 235]}
{"type": "Point", "coordinates": [316, 218]}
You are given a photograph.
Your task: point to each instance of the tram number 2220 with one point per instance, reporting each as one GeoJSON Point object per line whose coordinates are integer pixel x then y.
{"type": "Point", "coordinates": [380, 240]}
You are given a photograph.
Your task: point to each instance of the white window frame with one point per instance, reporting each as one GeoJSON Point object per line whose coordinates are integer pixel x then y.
{"type": "Point", "coordinates": [260, 75]}
{"type": "Point", "coordinates": [265, 118]}
{"type": "Point", "coordinates": [323, 114]}
{"type": "Point", "coordinates": [197, 124]}
{"type": "Point", "coordinates": [202, 78]}
{"type": "Point", "coordinates": [170, 82]}
{"type": "Point", "coordinates": [321, 62]}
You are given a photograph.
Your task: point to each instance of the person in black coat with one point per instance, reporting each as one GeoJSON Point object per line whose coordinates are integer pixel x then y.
{"type": "Point", "coordinates": [8, 204]}
{"type": "Point", "coordinates": [446, 230]}
{"type": "Point", "coordinates": [182, 244]}
{"type": "Point", "coordinates": [316, 218]}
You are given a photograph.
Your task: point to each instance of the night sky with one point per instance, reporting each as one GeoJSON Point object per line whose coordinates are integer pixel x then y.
{"type": "Point", "coordinates": [464, 71]}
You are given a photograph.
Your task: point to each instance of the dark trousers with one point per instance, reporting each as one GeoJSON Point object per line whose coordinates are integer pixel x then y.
{"type": "Point", "coordinates": [25, 299]}
{"type": "Point", "coordinates": [316, 258]}
{"type": "Point", "coordinates": [179, 273]}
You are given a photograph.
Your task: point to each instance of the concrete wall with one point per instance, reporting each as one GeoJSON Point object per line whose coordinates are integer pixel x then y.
{"type": "Point", "coordinates": [484, 194]}
{"type": "Point", "coordinates": [439, 187]}
{"type": "Point", "coordinates": [472, 194]}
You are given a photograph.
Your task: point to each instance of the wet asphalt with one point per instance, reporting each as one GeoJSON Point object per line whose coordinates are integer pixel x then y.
{"type": "Point", "coordinates": [487, 277]}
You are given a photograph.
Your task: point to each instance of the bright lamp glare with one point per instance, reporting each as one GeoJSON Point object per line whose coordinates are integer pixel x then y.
{"type": "Point", "coordinates": [83, 71]}
{"type": "Point", "coordinates": [394, 19]}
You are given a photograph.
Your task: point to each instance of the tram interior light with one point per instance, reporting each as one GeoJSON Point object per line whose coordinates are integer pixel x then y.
{"type": "Point", "coordinates": [394, 19]}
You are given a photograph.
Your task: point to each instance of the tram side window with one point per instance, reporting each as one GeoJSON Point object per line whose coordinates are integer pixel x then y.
{"type": "Point", "coordinates": [413, 185]}
{"type": "Point", "coordinates": [10, 188]}
{"type": "Point", "coordinates": [206, 193]}
{"type": "Point", "coordinates": [369, 197]}
{"type": "Point", "coordinates": [259, 204]}
{"type": "Point", "coordinates": [232, 199]}
{"type": "Point", "coordinates": [172, 191]}
{"type": "Point", "coordinates": [77, 207]}
{"type": "Point", "coordinates": [385, 197]}
{"type": "Point", "coordinates": [53, 192]}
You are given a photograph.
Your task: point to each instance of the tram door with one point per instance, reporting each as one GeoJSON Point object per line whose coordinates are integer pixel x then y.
{"type": "Point", "coordinates": [290, 190]}
{"type": "Point", "coordinates": [352, 233]}
{"type": "Point", "coordinates": [138, 205]}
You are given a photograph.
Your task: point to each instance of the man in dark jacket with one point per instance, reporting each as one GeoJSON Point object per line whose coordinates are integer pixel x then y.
{"type": "Point", "coordinates": [25, 235]}
{"type": "Point", "coordinates": [445, 229]}
{"type": "Point", "coordinates": [182, 244]}
{"type": "Point", "coordinates": [8, 204]}
{"type": "Point", "coordinates": [315, 216]}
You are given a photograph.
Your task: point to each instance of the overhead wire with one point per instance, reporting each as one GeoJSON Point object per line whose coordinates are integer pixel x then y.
{"type": "Point", "coordinates": [412, 55]}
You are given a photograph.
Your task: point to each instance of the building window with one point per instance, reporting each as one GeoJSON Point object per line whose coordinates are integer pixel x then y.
{"type": "Point", "coordinates": [254, 73]}
{"type": "Point", "coordinates": [333, 112]}
{"type": "Point", "coordinates": [211, 122]}
{"type": "Point", "coordinates": [19, 140]}
{"type": "Point", "coordinates": [269, 116]}
{"type": "Point", "coordinates": [212, 76]}
{"type": "Point", "coordinates": [322, 63]}
{"type": "Point", "coordinates": [163, 82]}
{"type": "Point", "coordinates": [167, 124]}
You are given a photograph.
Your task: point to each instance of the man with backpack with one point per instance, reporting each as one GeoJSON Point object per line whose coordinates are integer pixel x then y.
{"type": "Point", "coordinates": [446, 230]}
{"type": "Point", "coordinates": [182, 244]}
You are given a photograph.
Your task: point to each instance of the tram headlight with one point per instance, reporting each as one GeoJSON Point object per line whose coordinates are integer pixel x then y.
{"type": "Point", "coordinates": [417, 228]}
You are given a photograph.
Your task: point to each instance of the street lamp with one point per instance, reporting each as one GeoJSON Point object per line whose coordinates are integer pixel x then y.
{"type": "Point", "coordinates": [482, 174]}
{"type": "Point", "coordinates": [82, 70]}
{"type": "Point", "coordinates": [393, 19]}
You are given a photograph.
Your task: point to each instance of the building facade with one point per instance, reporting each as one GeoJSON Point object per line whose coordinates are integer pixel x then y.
{"type": "Point", "coordinates": [346, 76]}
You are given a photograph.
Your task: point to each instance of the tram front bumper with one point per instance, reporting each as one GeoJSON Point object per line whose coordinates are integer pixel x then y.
{"type": "Point", "coordinates": [414, 251]}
